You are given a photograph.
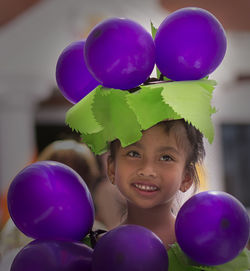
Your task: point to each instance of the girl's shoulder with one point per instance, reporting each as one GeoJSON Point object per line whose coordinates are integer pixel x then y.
{"type": "Point", "coordinates": [178, 261]}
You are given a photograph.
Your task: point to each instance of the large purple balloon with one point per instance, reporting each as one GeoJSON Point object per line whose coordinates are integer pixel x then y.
{"type": "Point", "coordinates": [72, 75]}
{"type": "Point", "coordinates": [120, 53]}
{"type": "Point", "coordinates": [130, 248]}
{"type": "Point", "coordinates": [190, 44]}
{"type": "Point", "coordinates": [212, 227]}
{"type": "Point", "coordinates": [49, 200]}
{"type": "Point", "coordinates": [41, 255]}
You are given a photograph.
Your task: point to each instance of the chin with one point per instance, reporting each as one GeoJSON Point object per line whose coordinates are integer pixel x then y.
{"type": "Point", "coordinates": [144, 205]}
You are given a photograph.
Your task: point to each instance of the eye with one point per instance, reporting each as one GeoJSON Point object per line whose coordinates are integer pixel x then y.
{"type": "Point", "coordinates": [133, 154]}
{"type": "Point", "coordinates": [166, 158]}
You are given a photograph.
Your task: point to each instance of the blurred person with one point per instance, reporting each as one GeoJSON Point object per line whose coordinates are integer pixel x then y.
{"type": "Point", "coordinates": [69, 152]}
{"type": "Point", "coordinates": [75, 155]}
{"type": "Point", "coordinates": [109, 203]}
{"type": "Point", "coordinates": [4, 214]}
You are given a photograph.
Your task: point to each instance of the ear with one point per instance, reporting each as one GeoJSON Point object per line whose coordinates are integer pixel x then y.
{"type": "Point", "coordinates": [187, 181]}
{"type": "Point", "coordinates": [111, 169]}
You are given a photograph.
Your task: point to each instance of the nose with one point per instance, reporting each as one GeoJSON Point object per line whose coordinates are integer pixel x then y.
{"type": "Point", "coordinates": [146, 169]}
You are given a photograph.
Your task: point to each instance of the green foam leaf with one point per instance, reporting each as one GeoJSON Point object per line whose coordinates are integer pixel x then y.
{"type": "Point", "coordinates": [175, 259]}
{"type": "Point", "coordinates": [178, 261]}
{"type": "Point", "coordinates": [108, 114]}
{"type": "Point", "coordinates": [153, 32]}
{"type": "Point", "coordinates": [192, 101]}
{"type": "Point", "coordinates": [119, 121]}
{"type": "Point", "coordinates": [87, 241]}
{"type": "Point", "coordinates": [96, 142]}
{"type": "Point", "coordinates": [240, 263]}
{"type": "Point", "coordinates": [206, 84]}
{"type": "Point", "coordinates": [80, 117]}
{"type": "Point", "coordinates": [149, 106]}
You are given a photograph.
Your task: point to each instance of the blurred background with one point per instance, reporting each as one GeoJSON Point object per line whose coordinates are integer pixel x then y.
{"type": "Point", "coordinates": [33, 33]}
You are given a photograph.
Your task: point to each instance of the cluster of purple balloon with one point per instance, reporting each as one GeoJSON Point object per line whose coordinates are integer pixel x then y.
{"type": "Point", "coordinates": [119, 53]}
{"type": "Point", "coordinates": [212, 227]}
{"type": "Point", "coordinates": [49, 202]}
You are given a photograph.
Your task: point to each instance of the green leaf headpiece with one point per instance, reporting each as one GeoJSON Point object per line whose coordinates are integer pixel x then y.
{"type": "Point", "coordinates": [107, 114]}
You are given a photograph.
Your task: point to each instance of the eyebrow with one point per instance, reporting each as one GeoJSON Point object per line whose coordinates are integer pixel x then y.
{"type": "Point", "coordinates": [168, 148]}
{"type": "Point", "coordinates": [160, 149]}
{"type": "Point", "coordinates": [136, 144]}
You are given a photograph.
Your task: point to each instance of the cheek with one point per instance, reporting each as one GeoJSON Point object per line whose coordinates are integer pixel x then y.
{"type": "Point", "coordinates": [171, 188]}
{"type": "Point", "coordinates": [121, 182]}
{"type": "Point", "coordinates": [125, 168]}
{"type": "Point", "coordinates": [173, 177]}
{"type": "Point", "coordinates": [124, 172]}
{"type": "Point", "coordinates": [120, 173]}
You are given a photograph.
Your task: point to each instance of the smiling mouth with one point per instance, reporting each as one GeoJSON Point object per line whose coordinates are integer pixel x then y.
{"type": "Point", "coordinates": [146, 188]}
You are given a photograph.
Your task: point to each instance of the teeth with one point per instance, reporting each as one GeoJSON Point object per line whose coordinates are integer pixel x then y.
{"type": "Point", "coordinates": [146, 187]}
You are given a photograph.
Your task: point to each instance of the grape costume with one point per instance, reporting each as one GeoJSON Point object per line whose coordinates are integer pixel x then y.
{"type": "Point", "coordinates": [178, 261]}
{"type": "Point", "coordinates": [107, 113]}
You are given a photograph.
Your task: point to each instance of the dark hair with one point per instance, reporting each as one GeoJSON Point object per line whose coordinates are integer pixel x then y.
{"type": "Point", "coordinates": [75, 155]}
{"type": "Point", "coordinates": [196, 150]}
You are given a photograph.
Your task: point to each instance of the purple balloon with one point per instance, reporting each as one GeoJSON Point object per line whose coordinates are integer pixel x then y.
{"type": "Point", "coordinates": [212, 227]}
{"type": "Point", "coordinates": [190, 44]}
{"type": "Point", "coordinates": [42, 255]}
{"type": "Point", "coordinates": [72, 75]}
{"type": "Point", "coordinates": [130, 248]}
{"type": "Point", "coordinates": [49, 200]}
{"type": "Point", "coordinates": [120, 53]}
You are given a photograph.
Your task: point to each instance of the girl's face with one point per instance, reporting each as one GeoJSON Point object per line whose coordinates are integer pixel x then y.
{"type": "Point", "coordinates": [151, 171]}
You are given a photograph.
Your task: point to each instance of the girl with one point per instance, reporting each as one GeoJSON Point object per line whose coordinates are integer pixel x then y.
{"type": "Point", "coordinates": [150, 172]}
{"type": "Point", "coordinates": [155, 137]}
{"type": "Point", "coordinates": [154, 131]}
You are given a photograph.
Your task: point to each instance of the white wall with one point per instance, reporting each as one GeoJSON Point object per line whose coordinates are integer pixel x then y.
{"type": "Point", "coordinates": [231, 98]}
{"type": "Point", "coordinates": [31, 44]}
